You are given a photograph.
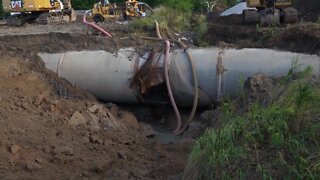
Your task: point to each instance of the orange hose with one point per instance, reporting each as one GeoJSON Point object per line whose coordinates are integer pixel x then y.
{"type": "Point", "coordinates": [95, 26]}
{"type": "Point", "coordinates": [166, 73]}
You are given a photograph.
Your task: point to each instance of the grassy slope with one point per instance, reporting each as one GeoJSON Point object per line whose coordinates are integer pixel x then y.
{"type": "Point", "coordinates": [280, 140]}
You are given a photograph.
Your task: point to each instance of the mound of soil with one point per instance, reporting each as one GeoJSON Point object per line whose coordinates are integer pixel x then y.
{"type": "Point", "coordinates": [230, 34]}
{"type": "Point", "coordinates": [301, 37]}
{"type": "Point", "coordinates": [52, 130]}
{"type": "Point", "coordinates": [309, 9]}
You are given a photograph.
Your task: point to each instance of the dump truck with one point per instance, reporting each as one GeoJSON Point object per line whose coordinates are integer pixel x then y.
{"type": "Point", "coordinates": [270, 12]}
{"type": "Point", "coordinates": [41, 11]}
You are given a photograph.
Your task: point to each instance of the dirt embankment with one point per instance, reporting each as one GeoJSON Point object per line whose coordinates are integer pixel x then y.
{"type": "Point", "coordinates": [301, 37]}
{"type": "Point", "coordinates": [50, 129]}
{"type": "Point", "coordinates": [309, 9]}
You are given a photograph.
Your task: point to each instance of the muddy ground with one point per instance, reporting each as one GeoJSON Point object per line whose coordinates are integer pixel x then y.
{"type": "Point", "coordinates": [50, 129]}
{"type": "Point", "coordinates": [48, 134]}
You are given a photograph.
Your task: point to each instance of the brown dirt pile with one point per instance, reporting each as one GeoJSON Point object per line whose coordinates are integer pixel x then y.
{"type": "Point", "coordinates": [304, 38]}
{"type": "Point", "coordinates": [309, 9]}
{"type": "Point", "coordinates": [301, 37]}
{"type": "Point", "coordinates": [52, 130]}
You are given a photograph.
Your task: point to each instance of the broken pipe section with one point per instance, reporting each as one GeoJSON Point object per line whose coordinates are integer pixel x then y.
{"type": "Point", "coordinates": [108, 75]}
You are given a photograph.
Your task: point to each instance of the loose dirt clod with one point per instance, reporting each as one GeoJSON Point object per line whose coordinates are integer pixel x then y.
{"type": "Point", "coordinates": [94, 109]}
{"type": "Point", "coordinates": [147, 130]}
{"type": "Point", "coordinates": [31, 166]}
{"type": "Point", "coordinates": [15, 148]}
{"type": "Point", "coordinates": [77, 119]}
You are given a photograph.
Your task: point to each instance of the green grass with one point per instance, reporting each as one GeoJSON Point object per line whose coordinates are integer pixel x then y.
{"type": "Point", "coordinates": [266, 33]}
{"type": "Point", "coordinates": [171, 20]}
{"type": "Point", "coordinates": [277, 141]}
{"type": "Point", "coordinates": [199, 27]}
{"type": "Point", "coordinates": [167, 18]}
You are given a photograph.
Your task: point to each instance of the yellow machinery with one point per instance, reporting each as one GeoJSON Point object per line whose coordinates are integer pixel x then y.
{"type": "Point", "coordinates": [270, 12]}
{"type": "Point", "coordinates": [104, 10]}
{"type": "Point", "coordinates": [42, 11]}
{"type": "Point", "coordinates": [134, 8]}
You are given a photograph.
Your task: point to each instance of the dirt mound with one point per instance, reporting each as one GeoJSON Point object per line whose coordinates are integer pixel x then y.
{"type": "Point", "coordinates": [301, 37]}
{"type": "Point", "coordinates": [230, 34]}
{"type": "Point", "coordinates": [233, 19]}
{"type": "Point", "coordinates": [50, 129]}
{"type": "Point", "coordinates": [309, 9]}
{"type": "Point", "coordinates": [59, 42]}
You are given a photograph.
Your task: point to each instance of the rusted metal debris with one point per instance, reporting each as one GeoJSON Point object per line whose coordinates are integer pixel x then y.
{"type": "Point", "coordinates": [149, 75]}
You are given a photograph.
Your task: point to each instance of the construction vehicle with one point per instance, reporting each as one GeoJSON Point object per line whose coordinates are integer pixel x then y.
{"type": "Point", "coordinates": [41, 11]}
{"type": "Point", "coordinates": [104, 10]}
{"type": "Point", "coordinates": [133, 9]}
{"type": "Point", "coordinates": [270, 12]}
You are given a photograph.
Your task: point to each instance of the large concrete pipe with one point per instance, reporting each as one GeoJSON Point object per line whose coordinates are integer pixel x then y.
{"type": "Point", "coordinates": [108, 75]}
{"type": "Point", "coordinates": [220, 71]}
{"type": "Point", "coordinates": [103, 74]}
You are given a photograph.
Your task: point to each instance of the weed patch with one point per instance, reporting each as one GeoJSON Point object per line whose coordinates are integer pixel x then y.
{"type": "Point", "coordinates": [168, 18]}
{"type": "Point", "coordinates": [267, 33]}
{"type": "Point", "coordinates": [280, 140]}
{"type": "Point", "coordinates": [199, 26]}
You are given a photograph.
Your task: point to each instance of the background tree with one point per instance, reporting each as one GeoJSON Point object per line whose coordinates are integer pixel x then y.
{"type": "Point", "coordinates": [1, 10]}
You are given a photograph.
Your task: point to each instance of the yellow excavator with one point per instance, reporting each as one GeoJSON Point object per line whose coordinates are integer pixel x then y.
{"type": "Point", "coordinates": [41, 11]}
{"type": "Point", "coordinates": [270, 12]}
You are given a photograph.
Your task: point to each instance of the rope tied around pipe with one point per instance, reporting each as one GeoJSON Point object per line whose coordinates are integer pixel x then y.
{"type": "Point", "coordinates": [220, 71]}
